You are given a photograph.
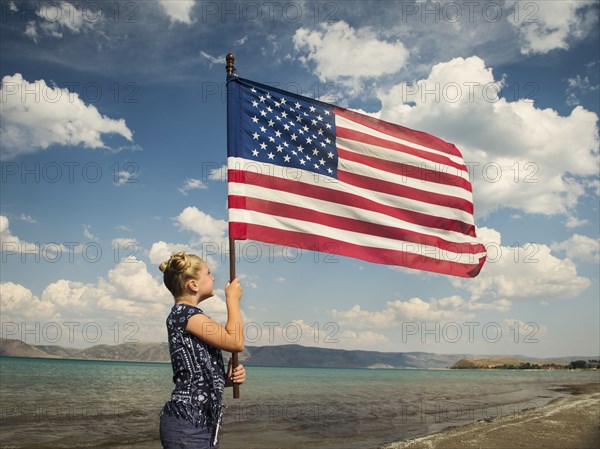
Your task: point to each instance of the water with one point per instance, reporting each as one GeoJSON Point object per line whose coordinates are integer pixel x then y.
{"type": "Point", "coordinates": [49, 403]}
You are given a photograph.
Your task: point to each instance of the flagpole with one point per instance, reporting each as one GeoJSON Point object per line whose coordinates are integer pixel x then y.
{"type": "Point", "coordinates": [230, 69]}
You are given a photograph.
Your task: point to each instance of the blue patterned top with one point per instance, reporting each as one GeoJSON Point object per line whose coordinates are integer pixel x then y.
{"type": "Point", "coordinates": [198, 371]}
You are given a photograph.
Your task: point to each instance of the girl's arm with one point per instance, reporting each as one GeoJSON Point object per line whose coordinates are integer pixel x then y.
{"type": "Point", "coordinates": [229, 337]}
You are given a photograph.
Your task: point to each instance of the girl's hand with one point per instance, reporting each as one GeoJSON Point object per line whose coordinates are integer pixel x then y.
{"type": "Point", "coordinates": [235, 376]}
{"type": "Point", "coordinates": [233, 290]}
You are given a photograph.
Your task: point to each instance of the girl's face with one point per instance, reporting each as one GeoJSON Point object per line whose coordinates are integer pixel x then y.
{"type": "Point", "coordinates": [205, 282]}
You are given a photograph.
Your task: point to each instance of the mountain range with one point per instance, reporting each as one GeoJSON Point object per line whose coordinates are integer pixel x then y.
{"type": "Point", "coordinates": [283, 355]}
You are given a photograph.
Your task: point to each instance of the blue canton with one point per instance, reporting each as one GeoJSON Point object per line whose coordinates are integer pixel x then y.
{"type": "Point", "coordinates": [198, 371]}
{"type": "Point", "coordinates": [287, 130]}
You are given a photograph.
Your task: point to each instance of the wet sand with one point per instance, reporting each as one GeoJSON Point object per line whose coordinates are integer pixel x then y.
{"type": "Point", "coordinates": [570, 422]}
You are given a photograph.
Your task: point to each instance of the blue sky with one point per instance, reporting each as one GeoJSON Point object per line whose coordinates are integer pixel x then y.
{"type": "Point", "coordinates": [114, 140]}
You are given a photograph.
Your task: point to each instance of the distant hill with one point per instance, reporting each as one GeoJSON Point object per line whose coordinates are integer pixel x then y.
{"type": "Point", "coordinates": [284, 356]}
{"type": "Point", "coordinates": [497, 362]}
{"type": "Point", "coordinates": [16, 348]}
{"type": "Point", "coordinates": [309, 357]}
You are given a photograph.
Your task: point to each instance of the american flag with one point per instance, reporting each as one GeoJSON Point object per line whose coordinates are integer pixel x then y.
{"type": "Point", "coordinates": [310, 175]}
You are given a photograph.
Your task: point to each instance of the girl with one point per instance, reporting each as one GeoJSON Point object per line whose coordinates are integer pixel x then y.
{"type": "Point", "coordinates": [192, 417]}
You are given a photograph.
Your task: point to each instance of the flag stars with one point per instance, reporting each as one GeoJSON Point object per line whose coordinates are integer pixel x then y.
{"type": "Point", "coordinates": [289, 132]}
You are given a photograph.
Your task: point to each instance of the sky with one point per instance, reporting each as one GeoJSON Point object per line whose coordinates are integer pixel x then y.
{"type": "Point", "coordinates": [113, 153]}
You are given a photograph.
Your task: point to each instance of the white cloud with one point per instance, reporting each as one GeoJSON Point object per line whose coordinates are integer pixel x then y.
{"type": "Point", "coordinates": [580, 247]}
{"type": "Point", "coordinates": [11, 244]}
{"type": "Point", "coordinates": [523, 271]}
{"type": "Point", "coordinates": [161, 251]}
{"type": "Point", "coordinates": [125, 177]}
{"type": "Point", "coordinates": [131, 279]}
{"type": "Point", "coordinates": [521, 331]}
{"type": "Point", "coordinates": [358, 318]}
{"type": "Point", "coordinates": [192, 184]}
{"type": "Point", "coordinates": [551, 25]}
{"type": "Point", "coordinates": [579, 85]}
{"type": "Point", "coordinates": [55, 18]}
{"type": "Point", "coordinates": [241, 41]}
{"type": "Point", "coordinates": [87, 233]}
{"type": "Point", "coordinates": [36, 115]}
{"type": "Point", "coordinates": [27, 218]}
{"type": "Point", "coordinates": [342, 53]}
{"type": "Point", "coordinates": [208, 229]}
{"type": "Point", "coordinates": [515, 151]}
{"type": "Point", "coordinates": [19, 302]}
{"type": "Point", "coordinates": [218, 174]}
{"type": "Point", "coordinates": [361, 339]}
{"type": "Point", "coordinates": [178, 10]}
{"type": "Point", "coordinates": [444, 309]}
{"type": "Point", "coordinates": [212, 59]}
{"type": "Point", "coordinates": [450, 308]}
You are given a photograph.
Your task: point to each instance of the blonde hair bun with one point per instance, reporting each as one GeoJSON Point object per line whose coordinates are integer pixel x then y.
{"type": "Point", "coordinates": [179, 269]}
{"type": "Point", "coordinates": [178, 263]}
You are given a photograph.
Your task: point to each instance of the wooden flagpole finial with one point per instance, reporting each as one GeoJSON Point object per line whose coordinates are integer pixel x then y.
{"type": "Point", "coordinates": [230, 61]}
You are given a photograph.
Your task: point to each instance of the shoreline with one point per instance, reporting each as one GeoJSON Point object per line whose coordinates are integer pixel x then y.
{"type": "Point", "coordinates": [568, 422]}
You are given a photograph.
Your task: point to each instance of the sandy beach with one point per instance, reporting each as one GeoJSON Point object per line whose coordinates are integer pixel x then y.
{"type": "Point", "coordinates": [571, 422]}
